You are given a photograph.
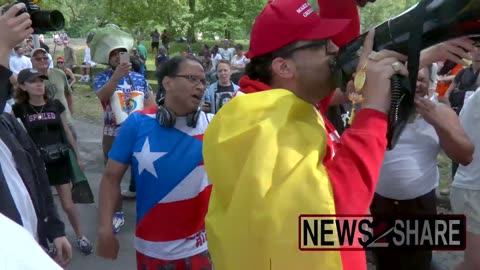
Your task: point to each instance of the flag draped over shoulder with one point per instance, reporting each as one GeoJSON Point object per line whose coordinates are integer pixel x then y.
{"type": "Point", "coordinates": [263, 154]}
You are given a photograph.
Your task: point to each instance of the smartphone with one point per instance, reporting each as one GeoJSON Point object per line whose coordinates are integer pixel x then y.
{"type": "Point", "coordinates": [124, 57]}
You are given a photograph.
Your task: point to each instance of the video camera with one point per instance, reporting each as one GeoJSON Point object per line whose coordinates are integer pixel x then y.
{"type": "Point", "coordinates": [42, 20]}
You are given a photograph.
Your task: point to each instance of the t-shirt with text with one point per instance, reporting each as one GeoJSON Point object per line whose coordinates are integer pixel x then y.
{"type": "Point", "coordinates": [124, 85]}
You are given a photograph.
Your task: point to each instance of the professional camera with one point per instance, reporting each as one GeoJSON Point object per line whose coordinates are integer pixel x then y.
{"type": "Point", "coordinates": [42, 20]}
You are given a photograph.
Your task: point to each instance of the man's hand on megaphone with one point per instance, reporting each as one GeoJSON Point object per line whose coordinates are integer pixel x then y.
{"type": "Point", "coordinates": [455, 50]}
{"type": "Point", "coordinates": [379, 68]}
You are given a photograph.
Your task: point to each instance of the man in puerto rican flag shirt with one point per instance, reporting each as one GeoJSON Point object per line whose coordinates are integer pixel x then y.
{"type": "Point", "coordinates": [173, 190]}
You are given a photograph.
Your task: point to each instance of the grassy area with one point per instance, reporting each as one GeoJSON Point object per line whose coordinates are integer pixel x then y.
{"type": "Point", "coordinates": [86, 104]}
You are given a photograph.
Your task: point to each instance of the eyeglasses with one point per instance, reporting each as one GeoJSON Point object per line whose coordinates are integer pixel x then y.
{"type": "Point", "coordinates": [193, 79]}
{"type": "Point", "coordinates": [330, 48]}
{"type": "Point", "coordinates": [60, 62]}
{"type": "Point", "coordinates": [45, 58]}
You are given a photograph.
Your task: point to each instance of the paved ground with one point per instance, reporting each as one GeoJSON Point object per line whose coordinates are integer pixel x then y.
{"type": "Point", "coordinates": [90, 146]}
{"type": "Point", "coordinates": [89, 135]}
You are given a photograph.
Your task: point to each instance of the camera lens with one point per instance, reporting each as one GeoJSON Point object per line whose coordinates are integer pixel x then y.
{"type": "Point", "coordinates": [50, 20]}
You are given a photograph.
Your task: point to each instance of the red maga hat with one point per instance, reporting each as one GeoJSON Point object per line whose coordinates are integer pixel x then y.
{"type": "Point", "coordinates": [286, 21]}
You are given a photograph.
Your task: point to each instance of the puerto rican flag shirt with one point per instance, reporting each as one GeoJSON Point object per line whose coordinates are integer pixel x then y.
{"type": "Point", "coordinates": [173, 190]}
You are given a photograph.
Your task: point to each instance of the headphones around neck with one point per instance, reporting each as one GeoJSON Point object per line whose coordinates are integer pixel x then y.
{"type": "Point", "coordinates": [167, 119]}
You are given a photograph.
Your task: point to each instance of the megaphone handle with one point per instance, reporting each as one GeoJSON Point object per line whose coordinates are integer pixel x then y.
{"type": "Point", "coordinates": [397, 94]}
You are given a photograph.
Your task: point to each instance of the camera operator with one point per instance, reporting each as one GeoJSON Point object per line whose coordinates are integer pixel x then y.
{"type": "Point", "coordinates": [25, 196]}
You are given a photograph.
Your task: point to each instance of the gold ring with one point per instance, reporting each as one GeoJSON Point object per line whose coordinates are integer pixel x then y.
{"type": "Point", "coordinates": [397, 67]}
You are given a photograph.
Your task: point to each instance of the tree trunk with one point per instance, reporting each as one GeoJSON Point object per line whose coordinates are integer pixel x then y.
{"type": "Point", "coordinates": [169, 23]}
{"type": "Point", "coordinates": [191, 27]}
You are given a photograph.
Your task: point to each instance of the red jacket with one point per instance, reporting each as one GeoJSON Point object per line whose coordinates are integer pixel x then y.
{"type": "Point", "coordinates": [353, 161]}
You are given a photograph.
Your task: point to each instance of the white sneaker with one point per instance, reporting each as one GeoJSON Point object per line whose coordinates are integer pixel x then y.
{"type": "Point", "coordinates": [118, 221]}
{"type": "Point", "coordinates": [128, 194]}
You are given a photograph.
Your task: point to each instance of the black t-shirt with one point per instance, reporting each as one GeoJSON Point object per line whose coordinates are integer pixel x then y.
{"type": "Point", "coordinates": [339, 116]}
{"type": "Point", "coordinates": [466, 79]}
{"type": "Point", "coordinates": [43, 123]}
{"type": "Point", "coordinates": [223, 95]}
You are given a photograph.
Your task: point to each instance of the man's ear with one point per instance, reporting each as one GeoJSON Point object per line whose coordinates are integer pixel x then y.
{"type": "Point", "coordinates": [167, 83]}
{"type": "Point", "coordinates": [283, 68]}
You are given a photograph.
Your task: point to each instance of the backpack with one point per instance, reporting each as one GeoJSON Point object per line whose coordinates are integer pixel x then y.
{"type": "Point", "coordinates": [466, 81]}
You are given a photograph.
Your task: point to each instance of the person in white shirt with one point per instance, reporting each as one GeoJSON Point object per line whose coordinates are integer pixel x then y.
{"type": "Point", "coordinates": [410, 175]}
{"type": "Point", "coordinates": [224, 51]}
{"type": "Point", "coordinates": [87, 65]}
{"type": "Point", "coordinates": [19, 61]}
{"type": "Point", "coordinates": [239, 62]}
{"type": "Point", "coordinates": [18, 245]}
{"type": "Point", "coordinates": [465, 190]}
{"type": "Point", "coordinates": [215, 57]}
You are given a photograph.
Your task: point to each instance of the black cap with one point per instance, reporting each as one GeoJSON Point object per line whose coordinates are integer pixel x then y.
{"type": "Point", "coordinates": [28, 75]}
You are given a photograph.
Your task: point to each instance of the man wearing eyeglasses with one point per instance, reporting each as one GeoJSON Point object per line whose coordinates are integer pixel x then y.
{"type": "Point", "coordinates": [167, 162]}
{"type": "Point", "coordinates": [57, 83]}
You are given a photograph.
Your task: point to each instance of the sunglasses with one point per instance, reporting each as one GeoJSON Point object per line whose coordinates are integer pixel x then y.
{"type": "Point", "coordinates": [45, 58]}
{"type": "Point", "coordinates": [330, 48]}
{"type": "Point", "coordinates": [60, 62]}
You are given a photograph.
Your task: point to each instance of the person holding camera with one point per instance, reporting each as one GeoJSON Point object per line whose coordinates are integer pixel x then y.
{"type": "Point", "coordinates": [25, 196]}
{"type": "Point", "coordinates": [45, 122]}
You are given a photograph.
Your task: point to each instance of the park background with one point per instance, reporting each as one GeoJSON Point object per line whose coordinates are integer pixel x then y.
{"type": "Point", "coordinates": [200, 21]}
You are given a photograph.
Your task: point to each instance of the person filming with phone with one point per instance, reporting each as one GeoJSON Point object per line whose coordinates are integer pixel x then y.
{"type": "Point", "coordinates": [121, 91]}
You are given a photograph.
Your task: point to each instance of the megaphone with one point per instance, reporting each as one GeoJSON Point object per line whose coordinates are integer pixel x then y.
{"type": "Point", "coordinates": [443, 20]}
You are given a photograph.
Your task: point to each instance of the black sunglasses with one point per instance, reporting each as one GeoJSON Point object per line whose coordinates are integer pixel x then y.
{"type": "Point", "coordinates": [330, 49]}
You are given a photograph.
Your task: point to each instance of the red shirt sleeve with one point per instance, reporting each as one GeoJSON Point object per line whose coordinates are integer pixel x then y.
{"type": "Point", "coordinates": [356, 165]}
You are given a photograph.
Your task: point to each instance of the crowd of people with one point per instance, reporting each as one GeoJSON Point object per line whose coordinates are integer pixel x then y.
{"type": "Point", "coordinates": [234, 146]}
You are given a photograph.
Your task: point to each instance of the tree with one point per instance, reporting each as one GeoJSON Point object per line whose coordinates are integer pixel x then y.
{"type": "Point", "coordinates": [374, 14]}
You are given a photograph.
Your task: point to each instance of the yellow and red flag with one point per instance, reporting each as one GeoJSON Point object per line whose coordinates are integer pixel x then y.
{"type": "Point", "coordinates": [265, 156]}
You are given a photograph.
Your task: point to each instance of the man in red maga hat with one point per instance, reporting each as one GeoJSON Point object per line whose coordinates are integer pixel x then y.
{"type": "Point", "coordinates": [271, 155]}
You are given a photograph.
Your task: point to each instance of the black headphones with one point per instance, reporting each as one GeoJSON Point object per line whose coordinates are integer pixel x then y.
{"type": "Point", "coordinates": [166, 118]}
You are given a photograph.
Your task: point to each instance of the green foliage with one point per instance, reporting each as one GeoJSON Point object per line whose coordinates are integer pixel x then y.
{"type": "Point", "coordinates": [185, 18]}
{"type": "Point", "coordinates": [374, 14]}
{"type": "Point", "coordinates": [181, 17]}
